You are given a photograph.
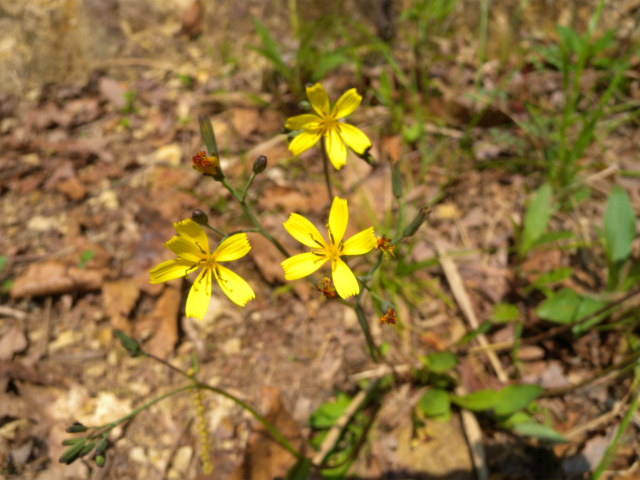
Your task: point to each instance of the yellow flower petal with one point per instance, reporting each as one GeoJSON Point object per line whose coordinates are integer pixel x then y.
{"type": "Point", "coordinates": [347, 103]}
{"type": "Point", "coordinates": [170, 269]}
{"type": "Point", "coordinates": [338, 219]}
{"type": "Point", "coordinates": [361, 243]}
{"type": "Point", "coordinates": [232, 248]}
{"type": "Point", "coordinates": [318, 99]}
{"type": "Point", "coordinates": [233, 285]}
{"type": "Point", "coordinates": [190, 230]}
{"type": "Point", "coordinates": [199, 295]}
{"type": "Point", "coordinates": [304, 231]}
{"type": "Point", "coordinates": [344, 280]}
{"type": "Point", "coordinates": [354, 137]}
{"type": "Point", "coordinates": [305, 121]}
{"type": "Point", "coordinates": [301, 265]}
{"type": "Point", "coordinates": [185, 249]}
{"type": "Point", "coordinates": [336, 149]}
{"type": "Point", "coordinates": [304, 141]}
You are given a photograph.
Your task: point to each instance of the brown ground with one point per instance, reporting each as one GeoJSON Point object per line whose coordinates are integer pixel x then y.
{"type": "Point", "coordinates": [84, 171]}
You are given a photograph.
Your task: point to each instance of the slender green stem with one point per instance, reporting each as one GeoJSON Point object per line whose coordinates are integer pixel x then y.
{"type": "Point", "coordinates": [372, 293]}
{"type": "Point", "coordinates": [215, 230]}
{"type": "Point", "coordinates": [325, 163]}
{"type": "Point", "coordinates": [278, 436]}
{"type": "Point", "coordinates": [253, 219]}
{"type": "Point", "coordinates": [136, 411]}
{"type": "Point", "coordinates": [373, 349]}
{"type": "Point", "coordinates": [245, 230]}
{"type": "Point", "coordinates": [246, 189]}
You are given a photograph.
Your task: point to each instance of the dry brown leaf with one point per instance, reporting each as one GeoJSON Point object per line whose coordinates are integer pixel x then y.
{"type": "Point", "coordinates": [165, 316]}
{"type": "Point", "coordinates": [53, 278]}
{"type": "Point", "coordinates": [72, 188]}
{"type": "Point", "coordinates": [192, 19]}
{"type": "Point", "coordinates": [393, 146]}
{"type": "Point", "coordinates": [119, 299]}
{"type": "Point", "coordinates": [244, 120]}
{"type": "Point", "coordinates": [13, 341]}
{"type": "Point", "coordinates": [265, 458]}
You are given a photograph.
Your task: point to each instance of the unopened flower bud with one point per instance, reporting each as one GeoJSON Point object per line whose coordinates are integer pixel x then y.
{"type": "Point", "coordinates": [209, 166]}
{"type": "Point", "coordinates": [102, 446]}
{"type": "Point", "coordinates": [259, 164]}
{"type": "Point", "coordinates": [417, 221]}
{"type": "Point", "coordinates": [77, 427]}
{"type": "Point", "coordinates": [396, 179]}
{"type": "Point", "coordinates": [200, 217]}
{"type": "Point", "coordinates": [71, 454]}
{"type": "Point", "coordinates": [366, 156]}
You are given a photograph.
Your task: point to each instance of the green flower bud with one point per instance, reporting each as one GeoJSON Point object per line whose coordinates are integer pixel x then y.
{"type": "Point", "coordinates": [130, 345]}
{"type": "Point", "coordinates": [102, 446]}
{"type": "Point", "coordinates": [200, 217]}
{"type": "Point", "coordinates": [366, 156]}
{"type": "Point", "coordinates": [259, 164]}
{"type": "Point", "coordinates": [396, 179]}
{"type": "Point", "coordinates": [100, 460]}
{"type": "Point", "coordinates": [415, 224]}
{"type": "Point", "coordinates": [71, 454]}
{"type": "Point", "coordinates": [87, 448]}
{"type": "Point", "coordinates": [77, 427]}
{"type": "Point", "coordinates": [72, 441]}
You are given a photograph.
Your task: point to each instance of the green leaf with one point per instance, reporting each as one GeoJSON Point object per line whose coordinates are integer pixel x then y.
{"type": "Point", "coordinates": [571, 41]}
{"type": "Point", "coordinates": [554, 276]}
{"type": "Point", "coordinates": [536, 218]}
{"type": "Point", "coordinates": [553, 237]}
{"type": "Point", "coordinates": [435, 402]}
{"type": "Point", "coordinates": [516, 397]}
{"type": "Point", "coordinates": [270, 48]}
{"type": "Point", "coordinates": [539, 431]}
{"type": "Point", "coordinates": [516, 417]}
{"type": "Point", "coordinates": [619, 232]}
{"type": "Point", "coordinates": [300, 470]}
{"type": "Point", "coordinates": [484, 327]}
{"type": "Point", "coordinates": [85, 257]}
{"type": "Point", "coordinates": [478, 401]}
{"type": "Point", "coordinates": [208, 136]}
{"type": "Point", "coordinates": [589, 306]}
{"type": "Point", "coordinates": [3, 262]}
{"type": "Point", "coordinates": [327, 413]}
{"type": "Point", "coordinates": [440, 362]}
{"type": "Point", "coordinates": [328, 63]}
{"type": "Point", "coordinates": [504, 312]}
{"type": "Point", "coordinates": [561, 307]}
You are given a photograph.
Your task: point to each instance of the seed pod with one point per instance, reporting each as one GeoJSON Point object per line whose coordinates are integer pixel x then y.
{"type": "Point", "coordinates": [102, 446]}
{"type": "Point", "coordinates": [100, 460]}
{"type": "Point", "coordinates": [77, 427]}
{"type": "Point", "coordinates": [71, 441]}
{"type": "Point", "coordinates": [87, 448]}
{"type": "Point", "coordinates": [71, 454]}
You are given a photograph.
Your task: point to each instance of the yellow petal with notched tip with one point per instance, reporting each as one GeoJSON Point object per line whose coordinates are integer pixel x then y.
{"type": "Point", "coordinates": [354, 137]}
{"type": "Point", "coordinates": [318, 99]}
{"type": "Point", "coordinates": [234, 286]}
{"type": "Point", "coordinates": [170, 269]}
{"type": "Point", "coordinates": [301, 265]}
{"type": "Point", "coordinates": [186, 249]}
{"type": "Point", "coordinates": [360, 243]}
{"type": "Point", "coordinates": [304, 141]}
{"type": "Point", "coordinates": [347, 103]}
{"type": "Point", "coordinates": [344, 280]}
{"type": "Point", "coordinates": [190, 230]}
{"type": "Point", "coordinates": [199, 295]}
{"type": "Point", "coordinates": [304, 231]}
{"type": "Point", "coordinates": [338, 219]}
{"type": "Point", "coordinates": [232, 248]}
{"type": "Point", "coordinates": [305, 121]}
{"type": "Point", "coordinates": [336, 149]}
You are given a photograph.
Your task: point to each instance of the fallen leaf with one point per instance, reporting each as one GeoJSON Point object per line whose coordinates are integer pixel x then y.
{"type": "Point", "coordinates": [13, 341]}
{"type": "Point", "coordinates": [165, 317]}
{"type": "Point", "coordinates": [192, 20]}
{"type": "Point", "coordinates": [53, 278]}
{"type": "Point", "coordinates": [393, 146]}
{"type": "Point", "coordinates": [113, 92]}
{"type": "Point", "coordinates": [265, 458]}
{"type": "Point", "coordinates": [119, 299]}
{"type": "Point", "coordinates": [72, 188]}
{"type": "Point", "coordinates": [244, 121]}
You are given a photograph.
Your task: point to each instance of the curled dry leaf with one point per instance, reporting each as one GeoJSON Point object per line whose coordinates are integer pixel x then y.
{"type": "Point", "coordinates": [53, 278]}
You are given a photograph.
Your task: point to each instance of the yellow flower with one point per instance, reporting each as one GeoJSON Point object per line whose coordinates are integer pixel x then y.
{"type": "Point", "coordinates": [325, 123]}
{"type": "Point", "coordinates": [192, 247]}
{"type": "Point", "coordinates": [305, 264]}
